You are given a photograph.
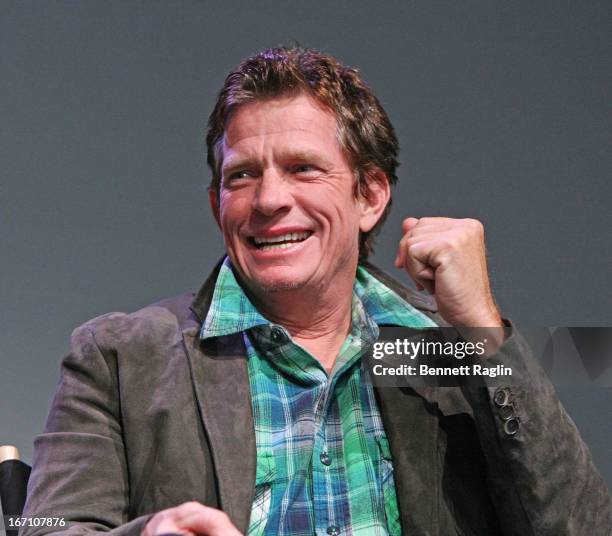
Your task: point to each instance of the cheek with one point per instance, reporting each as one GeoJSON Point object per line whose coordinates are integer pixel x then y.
{"type": "Point", "coordinates": [234, 209]}
{"type": "Point", "coordinates": [332, 204]}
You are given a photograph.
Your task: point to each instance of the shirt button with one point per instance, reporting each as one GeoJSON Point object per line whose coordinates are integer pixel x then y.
{"type": "Point", "coordinates": [325, 459]}
{"type": "Point", "coordinates": [332, 530]}
{"type": "Point", "coordinates": [277, 334]}
{"type": "Point", "coordinates": [501, 397]}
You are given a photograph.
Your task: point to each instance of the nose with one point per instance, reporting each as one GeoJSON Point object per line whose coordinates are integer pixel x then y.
{"type": "Point", "coordinates": [272, 195]}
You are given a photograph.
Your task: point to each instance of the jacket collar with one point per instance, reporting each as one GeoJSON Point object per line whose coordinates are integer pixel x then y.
{"type": "Point", "coordinates": [203, 298]}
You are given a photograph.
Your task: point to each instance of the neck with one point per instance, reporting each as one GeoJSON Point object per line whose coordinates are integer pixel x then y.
{"type": "Point", "coordinates": [319, 320]}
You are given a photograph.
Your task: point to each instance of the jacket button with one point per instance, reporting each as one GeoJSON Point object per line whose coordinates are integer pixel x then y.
{"type": "Point", "coordinates": [332, 530]}
{"type": "Point", "coordinates": [325, 459]}
{"type": "Point", "coordinates": [506, 412]}
{"type": "Point", "coordinates": [511, 426]}
{"type": "Point", "coordinates": [501, 397]}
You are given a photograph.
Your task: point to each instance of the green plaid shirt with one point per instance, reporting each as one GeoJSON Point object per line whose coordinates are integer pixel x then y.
{"type": "Point", "coordinates": [323, 461]}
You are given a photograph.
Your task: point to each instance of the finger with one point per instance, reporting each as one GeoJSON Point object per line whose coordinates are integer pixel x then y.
{"type": "Point", "coordinates": [206, 521]}
{"type": "Point", "coordinates": [418, 265]}
{"type": "Point", "coordinates": [427, 273]}
{"type": "Point", "coordinates": [212, 522]}
{"type": "Point", "coordinates": [408, 224]}
{"type": "Point", "coordinates": [400, 258]}
{"type": "Point", "coordinates": [414, 264]}
{"type": "Point", "coordinates": [437, 221]}
{"type": "Point", "coordinates": [397, 262]}
{"type": "Point", "coordinates": [414, 257]}
{"type": "Point", "coordinates": [412, 228]}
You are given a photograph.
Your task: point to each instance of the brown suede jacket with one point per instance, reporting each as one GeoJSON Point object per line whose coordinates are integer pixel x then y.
{"type": "Point", "coordinates": [148, 416]}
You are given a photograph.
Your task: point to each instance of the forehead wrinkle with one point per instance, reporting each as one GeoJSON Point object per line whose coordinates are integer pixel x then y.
{"type": "Point", "coordinates": [272, 116]}
{"type": "Point", "coordinates": [262, 132]}
{"type": "Point", "coordinates": [284, 148]}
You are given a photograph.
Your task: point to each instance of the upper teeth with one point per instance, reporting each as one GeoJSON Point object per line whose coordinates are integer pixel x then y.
{"type": "Point", "coordinates": [283, 238]}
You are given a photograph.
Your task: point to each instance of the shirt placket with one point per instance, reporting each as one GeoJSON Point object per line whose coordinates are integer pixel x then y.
{"type": "Point", "coordinates": [330, 519]}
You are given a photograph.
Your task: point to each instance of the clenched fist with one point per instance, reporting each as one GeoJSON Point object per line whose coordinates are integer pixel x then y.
{"type": "Point", "coordinates": [446, 257]}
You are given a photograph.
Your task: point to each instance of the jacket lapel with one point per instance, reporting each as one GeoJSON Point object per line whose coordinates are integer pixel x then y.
{"type": "Point", "coordinates": [412, 432]}
{"type": "Point", "coordinates": [410, 419]}
{"type": "Point", "coordinates": [221, 385]}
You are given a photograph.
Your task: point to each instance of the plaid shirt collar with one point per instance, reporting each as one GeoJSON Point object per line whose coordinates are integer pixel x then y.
{"type": "Point", "coordinates": [231, 311]}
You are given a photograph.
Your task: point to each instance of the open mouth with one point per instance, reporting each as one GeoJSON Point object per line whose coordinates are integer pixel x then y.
{"type": "Point", "coordinates": [279, 242]}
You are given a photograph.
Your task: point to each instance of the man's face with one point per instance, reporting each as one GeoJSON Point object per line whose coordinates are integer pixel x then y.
{"type": "Point", "coordinates": [286, 205]}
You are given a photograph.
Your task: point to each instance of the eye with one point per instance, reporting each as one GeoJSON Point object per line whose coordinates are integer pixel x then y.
{"type": "Point", "coordinates": [237, 175]}
{"type": "Point", "coordinates": [236, 179]}
{"type": "Point", "coordinates": [303, 169]}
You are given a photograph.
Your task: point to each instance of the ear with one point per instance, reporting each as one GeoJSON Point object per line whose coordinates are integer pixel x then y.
{"type": "Point", "coordinates": [372, 204]}
{"type": "Point", "coordinates": [213, 199]}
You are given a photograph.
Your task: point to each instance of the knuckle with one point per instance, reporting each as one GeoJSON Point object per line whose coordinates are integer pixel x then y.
{"type": "Point", "coordinates": [454, 242]}
{"type": "Point", "coordinates": [409, 223]}
{"type": "Point", "coordinates": [445, 257]}
{"type": "Point", "coordinates": [189, 505]}
{"type": "Point", "coordinates": [164, 514]}
{"type": "Point", "coordinates": [160, 518]}
{"type": "Point", "coordinates": [475, 224]}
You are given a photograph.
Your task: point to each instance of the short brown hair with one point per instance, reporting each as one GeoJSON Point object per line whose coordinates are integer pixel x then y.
{"type": "Point", "coordinates": [363, 128]}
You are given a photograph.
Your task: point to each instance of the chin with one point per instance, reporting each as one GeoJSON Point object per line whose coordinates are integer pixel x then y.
{"type": "Point", "coordinates": [270, 287]}
{"type": "Point", "coordinates": [269, 283]}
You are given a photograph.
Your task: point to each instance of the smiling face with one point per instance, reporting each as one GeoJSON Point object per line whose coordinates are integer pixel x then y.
{"type": "Point", "coordinates": [286, 205]}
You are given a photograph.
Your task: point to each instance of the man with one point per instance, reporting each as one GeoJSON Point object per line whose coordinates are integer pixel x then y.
{"type": "Point", "coordinates": [249, 409]}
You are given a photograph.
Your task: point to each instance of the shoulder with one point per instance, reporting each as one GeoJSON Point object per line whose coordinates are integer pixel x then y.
{"type": "Point", "coordinates": [158, 323]}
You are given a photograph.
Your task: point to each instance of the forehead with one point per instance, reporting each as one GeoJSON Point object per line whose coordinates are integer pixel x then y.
{"type": "Point", "coordinates": [291, 119]}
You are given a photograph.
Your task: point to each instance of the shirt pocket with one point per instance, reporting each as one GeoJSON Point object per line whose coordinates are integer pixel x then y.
{"type": "Point", "coordinates": [262, 500]}
{"type": "Point", "coordinates": [387, 484]}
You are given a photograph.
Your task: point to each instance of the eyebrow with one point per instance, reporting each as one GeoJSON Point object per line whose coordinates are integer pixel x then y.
{"type": "Point", "coordinates": [305, 156]}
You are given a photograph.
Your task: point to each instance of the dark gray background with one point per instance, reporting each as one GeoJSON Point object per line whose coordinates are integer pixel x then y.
{"type": "Point", "coordinates": [502, 109]}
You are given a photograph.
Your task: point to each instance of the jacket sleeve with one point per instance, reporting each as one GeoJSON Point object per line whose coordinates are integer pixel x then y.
{"type": "Point", "coordinates": [79, 471]}
{"type": "Point", "coordinates": [541, 474]}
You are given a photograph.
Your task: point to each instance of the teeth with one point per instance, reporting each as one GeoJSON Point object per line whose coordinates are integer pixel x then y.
{"type": "Point", "coordinates": [284, 245]}
{"type": "Point", "coordinates": [283, 238]}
